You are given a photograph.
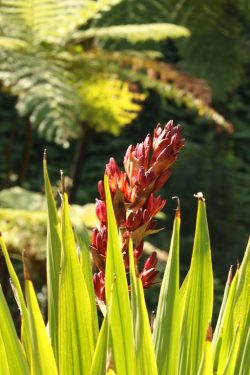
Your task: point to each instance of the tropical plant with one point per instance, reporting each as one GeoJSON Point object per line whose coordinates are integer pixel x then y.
{"type": "Point", "coordinates": [181, 342]}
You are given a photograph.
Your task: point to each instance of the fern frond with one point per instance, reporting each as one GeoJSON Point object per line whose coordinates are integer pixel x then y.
{"type": "Point", "coordinates": [50, 21]}
{"type": "Point", "coordinates": [12, 43]}
{"type": "Point", "coordinates": [168, 82]}
{"type": "Point", "coordinates": [108, 103]}
{"type": "Point", "coordinates": [45, 91]}
{"type": "Point", "coordinates": [216, 49]}
{"type": "Point", "coordinates": [135, 33]}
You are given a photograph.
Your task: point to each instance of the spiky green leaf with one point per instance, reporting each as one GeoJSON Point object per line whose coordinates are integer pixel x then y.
{"type": "Point", "coordinates": [167, 327]}
{"type": "Point", "coordinates": [144, 350]}
{"type": "Point", "coordinates": [43, 360]}
{"type": "Point", "coordinates": [197, 311]}
{"type": "Point", "coordinates": [120, 314]}
{"type": "Point", "coordinates": [76, 336]}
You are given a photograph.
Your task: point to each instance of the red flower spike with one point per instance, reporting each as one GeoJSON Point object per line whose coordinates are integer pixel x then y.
{"type": "Point", "coordinates": [147, 167]}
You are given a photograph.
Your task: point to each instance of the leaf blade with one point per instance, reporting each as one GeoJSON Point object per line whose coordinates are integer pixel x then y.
{"type": "Point", "coordinates": [121, 329]}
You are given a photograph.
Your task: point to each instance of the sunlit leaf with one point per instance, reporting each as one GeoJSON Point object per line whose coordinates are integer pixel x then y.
{"type": "Point", "coordinates": [43, 361]}
{"type": "Point", "coordinates": [13, 360]}
{"type": "Point", "coordinates": [144, 350]}
{"type": "Point", "coordinates": [76, 336]}
{"type": "Point", "coordinates": [53, 261]}
{"type": "Point", "coordinates": [197, 311]}
{"type": "Point", "coordinates": [120, 314]}
{"type": "Point", "coordinates": [167, 327]}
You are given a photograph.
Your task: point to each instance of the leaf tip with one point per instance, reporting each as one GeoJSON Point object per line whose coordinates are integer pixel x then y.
{"type": "Point", "coordinates": [178, 208]}
{"type": "Point", "coordinates": [230, 275]}
{"type": "Point", "coordinates": [45, 155]}
{"type": "Point", "coordinates": [62, 181]}
{"type": "Point", "coordinates": [200, 196]}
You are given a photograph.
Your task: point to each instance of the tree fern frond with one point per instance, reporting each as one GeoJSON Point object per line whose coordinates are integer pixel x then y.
{"type": "Point", "coordinates": [169, 83]}
{"type": "Point", "coordinates": [135, 33]}
{"type": "Point", "coordinates": [216, 49]}
{"type": "Point", "coordinates": [108, 103]}
{"type": "Point", "coordinates": [244, 6]}
{"type": "Point", "coordinates": [45, 92]}
{"type": "Point", "coordinates": [52, 21]}
{"type": "Point", "coordinates": [12, 43]}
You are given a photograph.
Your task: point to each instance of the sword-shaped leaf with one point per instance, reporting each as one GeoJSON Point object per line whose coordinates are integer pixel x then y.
{"type": "Point", "coordinates": [144, 350]}
{"type": "Point", "coordinates": [76, 336]}
{"type": "Point", "coordinates": [13, 360]}
{"type": "Point", "coordinates": [18, 294]}
{"type": "Point", "coordinates": [167, 322]}
{"type": "Point", "coordinates": [120, 313]}
{"type": "Point", "coordinates": [85, 261]}
{"type": "Point", "coordinates": [197, 310]}
{"type": "Point", "coordinates": [43, 360]}
{"type": "Point", "coordinates": [53, 261]}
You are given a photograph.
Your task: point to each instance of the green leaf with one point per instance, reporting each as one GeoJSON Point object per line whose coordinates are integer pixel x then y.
{"type": "Point", "coordinates": [222, 309]}
{"type": "Point", "coordinates": [241, 315]}
{"type": "Point", "coordinates": [86, 265]}
{"type": "Point", "coordinates": [43, 361]}
{"type": "Point", "coordinates": [12, 356]}
{"type": "Point", "coordinates": [230, 353]}
{"type": "Point", "coordinates": [53, 261]}
{"type": "Point", "coordinates": [226, 332]}
{"type": "Point", "coordinates": [206, 367]}
{"type": "Point", "coordinates": [4, 368]}
{"type": "Point", "coordinates": [76, 336]}
{"type": "Point", "coordinates": [144, 350]}
{"type": "Point", "coordinates": [120, 314]}
{"type": "Point", "coordinates": [197, 311]}
{"type": "Point", "coordinates": [99, 364]}
{"type": "Point", "coordinates": [100, 355]}
{"type": "Point", "coordinates": [136, 33]}
{"type": "Point", "coordinates": [18, 294]}
{"type": "Point", "coordinates": [166, 331]}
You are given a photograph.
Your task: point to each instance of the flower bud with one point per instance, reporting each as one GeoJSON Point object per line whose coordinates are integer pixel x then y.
{"type": "Point", "coordinates": [101, 190]}
{"type": "Point", "coordinates": [99, 285]}
{"type": "Point", "coordinates": [101, 211]}
{"type": "Point", "coordinates": [151, 261]}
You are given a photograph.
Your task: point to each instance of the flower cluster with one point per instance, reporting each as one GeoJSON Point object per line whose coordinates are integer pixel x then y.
{"type": "Point", "coordinates": [147, 167]}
